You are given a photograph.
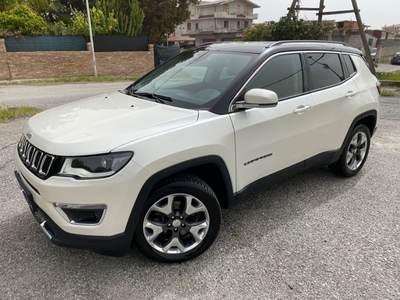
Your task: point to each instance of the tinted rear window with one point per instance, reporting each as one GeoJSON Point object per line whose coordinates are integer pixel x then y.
{"type": "Point", "coordinates": [325, 69]}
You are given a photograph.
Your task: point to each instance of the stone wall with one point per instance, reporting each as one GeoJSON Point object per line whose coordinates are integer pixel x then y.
{"type": "Point", "coordinates": [53, 64]}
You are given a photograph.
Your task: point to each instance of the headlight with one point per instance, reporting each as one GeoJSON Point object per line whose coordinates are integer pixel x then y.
{"type": "Point", "coordinates": [97, 166]}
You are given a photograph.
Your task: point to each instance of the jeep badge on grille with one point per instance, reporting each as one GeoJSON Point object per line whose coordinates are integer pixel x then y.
{"type": "Point", "coordinates": [29, 135]}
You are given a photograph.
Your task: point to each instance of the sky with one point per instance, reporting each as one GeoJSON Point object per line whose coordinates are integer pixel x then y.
{"type": "Point", "coordinates": [374, 13]}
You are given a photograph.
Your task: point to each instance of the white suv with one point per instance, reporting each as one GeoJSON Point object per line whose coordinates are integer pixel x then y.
{"type": "Point", "coordinates": [155, 163]}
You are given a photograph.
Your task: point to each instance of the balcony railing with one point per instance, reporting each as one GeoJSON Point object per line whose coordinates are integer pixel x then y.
{"type": "Point", "coordinates": [212, 29]}
{"type": "Point", "coordinates": [222, 15]}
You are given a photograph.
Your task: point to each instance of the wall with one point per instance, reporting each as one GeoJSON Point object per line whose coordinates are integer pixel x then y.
{"type": "Point", "coordinates": [4, 70]}
{"type": "Point", "coordinates": [52, 64]}
{"type": "Point", "coordinates": [353, 38]}
{"type": "Point", "coordinates": [387, 49]}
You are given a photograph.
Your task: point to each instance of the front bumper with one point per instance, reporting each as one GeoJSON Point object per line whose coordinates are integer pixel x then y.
{"type": "Point", "coordinates": [58, 236]}
{"type": "Point", "coordinates": [118, 194]}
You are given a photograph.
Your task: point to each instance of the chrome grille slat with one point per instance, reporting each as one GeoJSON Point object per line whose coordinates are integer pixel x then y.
{"type": "Point", "coordinates": [44, 169]}
{"type": "Point", "coordinates": [37, 161]}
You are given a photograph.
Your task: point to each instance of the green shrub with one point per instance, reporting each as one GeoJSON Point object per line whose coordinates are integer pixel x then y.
{"type": "Point", "coordinates": [286, 29]}
{"type": "Point", "coordinates": [21, 20]}
{"type": "Point", "coordinates": [100, 24]}
{"type": "Point", "coordinates": [387, 93]}
{"type": "Point", "coordinates": [59, 28]}
{"type": "Point", "coordinates": [391, 76]}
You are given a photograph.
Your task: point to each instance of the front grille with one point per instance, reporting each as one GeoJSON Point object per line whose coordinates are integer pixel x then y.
{"type": "Point", "coordinates": [37, 161]}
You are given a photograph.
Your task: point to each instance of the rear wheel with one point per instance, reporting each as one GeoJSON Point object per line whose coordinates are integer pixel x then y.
{"type": "Point", "coordinates": [179, 221]}
{"type": "Point", "coordinates": [354, 154]}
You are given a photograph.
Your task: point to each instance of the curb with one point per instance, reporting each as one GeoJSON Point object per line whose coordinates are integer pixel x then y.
{"type": "Point", "coordinates": [390, 83]}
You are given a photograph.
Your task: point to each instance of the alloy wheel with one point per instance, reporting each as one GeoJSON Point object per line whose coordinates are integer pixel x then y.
{"type": "Point", "coordinates": [176, 224]}
{"type": "Point", "coordinates": [356, 151]}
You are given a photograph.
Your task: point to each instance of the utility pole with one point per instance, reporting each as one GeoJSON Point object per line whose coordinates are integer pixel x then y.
{"type": "Point", "coordinates": [91, 38]}
{"type": "Point", "coordinates": [363, 37]}
{"type": "Point", "coordinates": [321, 9]}
{"type": "Point", "coordinates": [291, 12]}
{"type": "Point", "coordinates": [355, 10]}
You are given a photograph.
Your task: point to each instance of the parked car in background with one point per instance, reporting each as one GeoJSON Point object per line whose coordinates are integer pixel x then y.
{"type": "Point", "coordinates": [396, 59]}
{"type": "Point", "coordinates": [156, 162]}
{"type": "Point", "coordinates": [373, 53]}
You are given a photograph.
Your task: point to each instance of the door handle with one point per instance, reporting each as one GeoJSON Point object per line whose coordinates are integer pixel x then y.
{"type": "Point", "coordinates": [350, 94]}
{"type": "Point", "coordinates": [301, 109]}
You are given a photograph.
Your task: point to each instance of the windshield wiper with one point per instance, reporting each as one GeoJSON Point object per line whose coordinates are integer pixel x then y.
{"type": "Point", "coordinates": [155, 97]}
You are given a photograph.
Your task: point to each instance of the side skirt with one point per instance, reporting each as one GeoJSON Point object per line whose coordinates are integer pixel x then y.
{"type": "Point", "coordinates": [325, 158]}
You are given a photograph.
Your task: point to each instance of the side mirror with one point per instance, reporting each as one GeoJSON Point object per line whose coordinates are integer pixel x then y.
{"type": "Point", "coordinates": [258, 98]}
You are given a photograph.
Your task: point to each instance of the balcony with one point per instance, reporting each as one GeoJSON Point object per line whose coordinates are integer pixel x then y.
{"type": "Point", "coordinates": [212, 29]}
{"type": "Point", "coordinates": [252, 16]}
{"type": "Point", "coordinates": [234, 15]}
{"type": "Point", "coordinates": [224, 15]}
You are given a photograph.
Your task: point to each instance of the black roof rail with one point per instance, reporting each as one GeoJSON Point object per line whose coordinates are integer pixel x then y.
{"type": "Point", "coordinates": [308, 41]}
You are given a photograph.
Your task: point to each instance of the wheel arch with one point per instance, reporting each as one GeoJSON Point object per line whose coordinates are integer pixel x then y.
{"type": "Point", "coordinates": [368, 118]}
{"type": "Point", "coordinates": [201, 167]}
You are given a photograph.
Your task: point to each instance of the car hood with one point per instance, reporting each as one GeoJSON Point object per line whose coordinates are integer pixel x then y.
{"type": "Point", "coordinates": [99, 124]}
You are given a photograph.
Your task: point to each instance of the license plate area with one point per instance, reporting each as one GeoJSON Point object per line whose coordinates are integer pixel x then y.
{"type": "Point", "coordinates": [25, 192]}
{"type": "Point", "coordinates": [33, 207]}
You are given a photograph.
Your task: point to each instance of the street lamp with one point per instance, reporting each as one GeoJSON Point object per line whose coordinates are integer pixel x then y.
{"type": "Point", "coordinates": [91, 38]}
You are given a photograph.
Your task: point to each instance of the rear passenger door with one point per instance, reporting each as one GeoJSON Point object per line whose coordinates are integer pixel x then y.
{"type": "Point", "coordinates": [335, 97]}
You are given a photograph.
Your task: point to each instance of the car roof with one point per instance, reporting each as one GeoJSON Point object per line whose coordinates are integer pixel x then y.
{"type": "Point", "coordinates": [260, 47]}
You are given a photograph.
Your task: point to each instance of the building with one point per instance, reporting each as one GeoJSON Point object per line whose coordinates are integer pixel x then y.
{"type": "Point", "coordinates": [349, 32]}
{"type": "Point", "coordinates": [392, 28]}
{"type": "Point", "coordinates": [223, 20]}
{"type": "Point", "coordinates": [381, 35]}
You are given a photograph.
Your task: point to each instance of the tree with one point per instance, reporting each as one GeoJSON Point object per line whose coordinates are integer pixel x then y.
{"type": "Point", "coordinates": [48, 9]}
{"type": "Point", "coordinates": [69, 6]}
{"type": "Point", "coordinates": [287, 29]}
{"type": "Point", "coordinates": [22, 20]}
{"type": "Point", "coordinates": [128, 13]}
{"type": "Point", "coordinates": [76, 4]}
{"type": "Point", "coordinates": [102, 24]}
{"type": "Point", "coordinates": [258, 32]}
{"type": "Point", "coordinates": [162, 16]}
{"type": "Point", "coordinates": [5, 4]}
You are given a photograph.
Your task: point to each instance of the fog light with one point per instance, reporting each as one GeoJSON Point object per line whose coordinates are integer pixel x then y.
{"type": "Point", "coordinates": [82, 214]}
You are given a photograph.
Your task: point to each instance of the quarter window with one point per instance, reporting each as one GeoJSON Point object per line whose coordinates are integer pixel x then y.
{"type": "Point", "coordinates": [325, 69]}
{"type": "Point", "coordinates": [282, 74]}
{"type": "Point", "coordinates": [349, 64]}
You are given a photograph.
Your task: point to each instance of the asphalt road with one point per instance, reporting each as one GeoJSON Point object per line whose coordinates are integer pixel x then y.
{"type": "Point", "coordinates": [311, 236]}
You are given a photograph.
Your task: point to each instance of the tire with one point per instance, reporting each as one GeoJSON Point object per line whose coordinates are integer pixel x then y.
{"type": "Point", "coordinates": [354, 154]}
{"type": "Point", "coordinates": [179, 221]}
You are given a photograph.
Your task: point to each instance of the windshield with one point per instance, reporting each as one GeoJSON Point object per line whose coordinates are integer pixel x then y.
{"type": "Point", "coordinates": [193, 79]}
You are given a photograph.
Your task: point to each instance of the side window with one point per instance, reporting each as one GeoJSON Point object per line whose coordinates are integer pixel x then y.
{"type": "Point", "coordinates": [325, 69]}
{"type": "Point", "coordinates": [349, 64]}
{"type": "Point", "coordinates": [282, 74]}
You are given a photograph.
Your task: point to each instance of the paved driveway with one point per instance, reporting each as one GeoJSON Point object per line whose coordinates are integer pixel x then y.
{"type": "Point", "coordinates": [311, 236]}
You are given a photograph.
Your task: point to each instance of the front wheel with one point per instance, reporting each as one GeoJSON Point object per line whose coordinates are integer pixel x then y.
{"type": "Point", "coordinates": [355, 153]}
{"type": "Point", "coordinates": [179, 221]}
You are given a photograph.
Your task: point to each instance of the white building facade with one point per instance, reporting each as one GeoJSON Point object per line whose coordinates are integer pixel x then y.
{"type": "Point", "coordinates": [392, 28]}
{"type": "Point", "coordinates": [212, 21]}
